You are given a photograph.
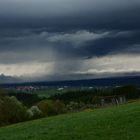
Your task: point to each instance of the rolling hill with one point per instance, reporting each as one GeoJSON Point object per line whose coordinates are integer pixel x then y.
{"type": "Point", "coordinates": [114, 123]}
{"type": "Point", "coordinates": [102, 82]}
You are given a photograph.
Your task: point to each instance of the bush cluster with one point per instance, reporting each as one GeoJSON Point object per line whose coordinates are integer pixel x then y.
{"type": "Point", "coordinates": [50, 107]}
{"type": "Point", "coordinates": [13, 111]}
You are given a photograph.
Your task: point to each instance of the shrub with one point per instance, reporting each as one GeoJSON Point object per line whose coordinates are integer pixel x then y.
{"type": "Point", "coordinates": [49, 107]}
{"type": "Point", "coordinates": [46, 107]}
{"type": "Point", "coordinates": [11, 110]}
{"type": "Point", "coordinates": [59, 107]}
{"type": "Point", "coordinates": [34, 112]}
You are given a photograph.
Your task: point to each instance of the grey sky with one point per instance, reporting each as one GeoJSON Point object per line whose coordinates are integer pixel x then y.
{"type": "Point", "coordinates": [68, 37]}
{"type": "Point", "coordinates": [60, 8]}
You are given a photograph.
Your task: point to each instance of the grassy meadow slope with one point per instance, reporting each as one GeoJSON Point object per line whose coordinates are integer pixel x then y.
{"type": "Point", "coordinates": [114, 123]}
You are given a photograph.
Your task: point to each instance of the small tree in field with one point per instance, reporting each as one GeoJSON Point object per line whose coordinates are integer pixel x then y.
{"type": "Point", "coordinates": [34, 112]}
{"type": "Point", "coordinates": [11, 110]}
{"type": "Point", "coordinates": [49, 107]}
{"type": "Point", "coordinates": [59, 107]}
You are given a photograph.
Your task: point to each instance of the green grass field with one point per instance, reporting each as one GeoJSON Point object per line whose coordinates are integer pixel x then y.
{"type": "Point", "coordinates": [115, 123]}
{"type": "Point", "coordinates": [48, 92]}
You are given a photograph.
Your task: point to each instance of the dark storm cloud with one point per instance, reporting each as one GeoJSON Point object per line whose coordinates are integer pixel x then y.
{"type": "Point", "coordinates": [43, 46]}
{"type": "Point", "coordinates": [114, 43]}
{"type": "Point", "coordinates": [65, 34]}
{"type": "Point", "coordinates": [67, 15]}
{"type": "Point", "coordinates": [70, 14]}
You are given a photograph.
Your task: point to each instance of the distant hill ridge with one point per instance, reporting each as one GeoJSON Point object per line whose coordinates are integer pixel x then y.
{"type": "Point", "coordinates": [113, 81]}
{"type": "Point", "coordinates": [4, 79]}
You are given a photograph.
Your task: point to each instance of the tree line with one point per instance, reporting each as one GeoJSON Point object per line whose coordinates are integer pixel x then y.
{"type": "Point", "coordinates": [18, 107]}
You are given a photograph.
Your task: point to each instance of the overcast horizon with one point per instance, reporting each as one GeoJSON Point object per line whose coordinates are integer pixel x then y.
{"type": "Point", "coordinates": [69, 39]}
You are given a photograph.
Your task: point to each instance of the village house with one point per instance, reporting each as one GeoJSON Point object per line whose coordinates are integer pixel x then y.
{"type": "Point", "coordinates": [113, 100]}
